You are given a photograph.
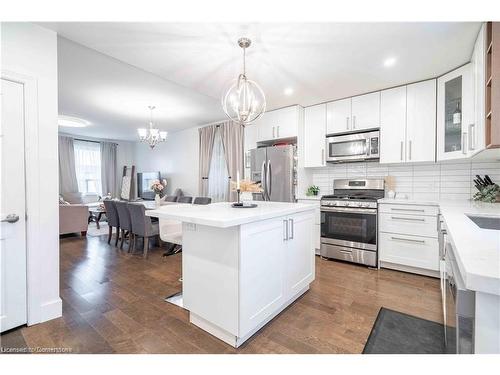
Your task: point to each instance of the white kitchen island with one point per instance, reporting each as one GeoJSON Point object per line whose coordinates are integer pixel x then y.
{"type": "Point", "coordinates": [242, 266]}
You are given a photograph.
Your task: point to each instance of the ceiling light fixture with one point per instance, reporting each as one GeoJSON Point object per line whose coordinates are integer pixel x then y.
{"type": "Point", "coordinates": [72, 122]}
{"type": "Point", "coordinates": [288, 91]}
{"type": "Point", "coordinates": [389, 62]}
{"type": "Point", "coordinates": [152, 136]}
{"type": "Point", "coordinates": [244, 101]}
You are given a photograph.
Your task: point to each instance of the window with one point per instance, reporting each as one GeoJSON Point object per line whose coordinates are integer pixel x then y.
{"type": "Point", "coordinates": [218, 177]}
{"type": "Point", "coordinates": [88, 166]}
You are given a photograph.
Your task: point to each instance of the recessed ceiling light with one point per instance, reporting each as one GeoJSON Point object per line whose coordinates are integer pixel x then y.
{"type": "Point", "coordinates": [72, 122]}
{"type": "Point", "coordinates": [390, 61]}
{"type": "Point", "coordinates": [288, 91]}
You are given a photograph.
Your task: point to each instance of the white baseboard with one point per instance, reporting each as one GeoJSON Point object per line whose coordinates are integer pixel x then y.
{"type": "Point", "coordinates": [51, 310]}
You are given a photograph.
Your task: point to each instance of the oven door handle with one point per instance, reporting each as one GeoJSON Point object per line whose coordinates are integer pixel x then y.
{"type": "Point", "coordinates": [368, 211]}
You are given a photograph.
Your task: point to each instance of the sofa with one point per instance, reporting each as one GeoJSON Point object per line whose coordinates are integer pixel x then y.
{"type": "Point", "coordinates": [73, 215]}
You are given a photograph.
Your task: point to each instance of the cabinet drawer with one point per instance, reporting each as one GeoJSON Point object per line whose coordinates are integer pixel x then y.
{"type": "Point", "coordinates": [410, 251]}
{"type": "Point", "coordinates": [417, 225]}
{"type": "Point", "coordinates": [408, 209]}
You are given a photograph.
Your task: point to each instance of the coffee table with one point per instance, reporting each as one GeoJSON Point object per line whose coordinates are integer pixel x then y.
{"type": "Point", "coordinates": [95, 214]}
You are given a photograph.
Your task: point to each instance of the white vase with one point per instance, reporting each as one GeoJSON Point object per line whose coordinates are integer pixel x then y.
{"type": "Point", "coordinates": [157, 200]}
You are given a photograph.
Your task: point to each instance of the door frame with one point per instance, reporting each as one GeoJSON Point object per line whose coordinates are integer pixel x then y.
{"type": "Point", "coordinates": [32, 195]}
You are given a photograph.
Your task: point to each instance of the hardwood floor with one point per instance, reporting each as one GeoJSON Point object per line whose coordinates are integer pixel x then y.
{"type": "Point", "coordinates": [113, 303]}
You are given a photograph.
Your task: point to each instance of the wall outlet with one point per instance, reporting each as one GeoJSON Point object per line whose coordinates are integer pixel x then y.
{"type": "Point", "coordinates": [190, 227]}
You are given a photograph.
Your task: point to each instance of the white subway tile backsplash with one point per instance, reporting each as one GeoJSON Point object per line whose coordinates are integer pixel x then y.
{"type": "Point", "coordinates": [422, 181]}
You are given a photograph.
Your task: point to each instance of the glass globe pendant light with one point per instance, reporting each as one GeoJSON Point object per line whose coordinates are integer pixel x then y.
{"type": "Point", "coordinates": [244, 101]}
{"type": "Point", "coordinates": [152, 136]}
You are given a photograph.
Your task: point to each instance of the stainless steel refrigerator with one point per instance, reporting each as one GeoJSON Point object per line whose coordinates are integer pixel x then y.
{"type": "Point", "coordinates": [275, 167]}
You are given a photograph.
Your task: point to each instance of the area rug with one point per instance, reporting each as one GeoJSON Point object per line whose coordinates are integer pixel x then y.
{"type": "Point", "coordinates": [94, 232]}
{"type": "Point", "coordinates": [399, 333]}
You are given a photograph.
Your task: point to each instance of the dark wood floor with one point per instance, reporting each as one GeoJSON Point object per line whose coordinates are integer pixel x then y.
{"type": "Point", "coordinates": [113, 303]}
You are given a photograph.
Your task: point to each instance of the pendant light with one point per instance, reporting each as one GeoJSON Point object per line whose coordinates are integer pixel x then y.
{"type": "Point", "coordinates": [152, 136]}
{"type": "Point", "coordinates": [244, 101]}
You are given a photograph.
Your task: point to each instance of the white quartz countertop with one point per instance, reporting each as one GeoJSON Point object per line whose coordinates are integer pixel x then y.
{"type": "Point", "coordinates": [222, 215]}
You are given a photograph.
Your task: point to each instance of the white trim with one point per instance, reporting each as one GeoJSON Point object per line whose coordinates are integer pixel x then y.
{"type": "Point", "coordinates": [36, 311]}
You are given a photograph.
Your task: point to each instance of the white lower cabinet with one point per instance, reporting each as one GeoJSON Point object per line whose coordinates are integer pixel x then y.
{"type": "Point", "coordinates": [317, 222]}
{"type": "Point", "coordinates": [277, 267]}
{"type": "Point", "coordinates": [408, 238]}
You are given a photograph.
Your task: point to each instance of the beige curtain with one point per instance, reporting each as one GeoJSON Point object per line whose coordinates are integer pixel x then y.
{"type": "Point", "coordinates": [232, 139]}
{"type": "Point", "coordinates": [207, 136]}
{"type": "Point", "coordinates": [67, 173]}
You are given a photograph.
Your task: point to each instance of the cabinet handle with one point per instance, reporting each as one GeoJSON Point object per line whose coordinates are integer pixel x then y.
{"type": "Point", "coordinates": [285, 230]}
{"type": "Point", "coordinates": [472, 137]}
{"type": "Point", "coordinates": [323, 157]}
{"type": "Point", "coordinates": [409, 150]}
{"type": "Point", "coordinates": [407, 240]}
{"type": "Point", "coordinates": [464, 143]}
{"type": "Point", "coordinates": [407, 209]}
{"type": "Point", "coordinates": [278, 131]}
{"type": "Point", "coordinates": [406, 218]}
{"type": "Point", "coordinates": [354, 122]}
{"type": "Point", "coordinates": [290, 221]}
{"type": "Point", "coordinates": [347, 123]}
{"type": "Point", "coordinates": [401, 152]}
{"type": "Point", "coordinates": [273, 133]}
{"type": "Point", "coordinates": [346, 252]}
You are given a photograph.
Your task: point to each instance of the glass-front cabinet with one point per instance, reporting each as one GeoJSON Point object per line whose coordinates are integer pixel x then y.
{"type": "Point", "coordinates": [455, 113]}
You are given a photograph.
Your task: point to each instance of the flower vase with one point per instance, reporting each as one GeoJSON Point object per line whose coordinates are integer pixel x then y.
{"type": "Point", "coordinates": [157, 200]}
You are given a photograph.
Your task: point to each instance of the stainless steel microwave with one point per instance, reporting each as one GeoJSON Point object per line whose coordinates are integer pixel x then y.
{"type": "Point", "coordinates": [351, 147]}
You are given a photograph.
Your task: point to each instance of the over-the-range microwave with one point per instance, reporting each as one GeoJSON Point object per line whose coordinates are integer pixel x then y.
{"type": "Point", "coordinates": [353, 146]}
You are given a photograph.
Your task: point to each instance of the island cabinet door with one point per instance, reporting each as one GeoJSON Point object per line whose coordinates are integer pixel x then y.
{"type": "Point", "coordinates": [261, 279]}
{"type": "Point", "coordinates": [299, 253]}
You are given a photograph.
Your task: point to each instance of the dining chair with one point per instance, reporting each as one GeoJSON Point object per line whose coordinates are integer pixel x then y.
{"type": "Point", "coordinates": [124, 219]}
{"type": "Point", "coordinates": [113, 219]}
{"type": "Point", "coordinates": [171, 198]}
{"type": "Point", "coordinates": [142, 226]}
{"type": "Point", "coordinates": [185, 199]}
{"type": "Point", "coordinates": [202, 200]}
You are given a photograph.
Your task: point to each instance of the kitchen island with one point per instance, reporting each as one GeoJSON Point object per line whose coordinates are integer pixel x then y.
{"type": "Point", "coordinates": [242, 266]}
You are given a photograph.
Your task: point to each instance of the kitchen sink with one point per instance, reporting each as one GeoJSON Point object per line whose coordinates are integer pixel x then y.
{"type": "Point", "coordinates": [486, 222]}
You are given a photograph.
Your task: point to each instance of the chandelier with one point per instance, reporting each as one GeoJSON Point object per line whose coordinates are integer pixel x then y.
{"type": "Point", "coordinates": [244, 101]}
{"type": "Point", "coordinates": [152, 136]}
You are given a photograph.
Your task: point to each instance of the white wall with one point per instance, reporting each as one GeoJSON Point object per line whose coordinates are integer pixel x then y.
{"type": "Point", "coordinates": [31, 51]}
{"type": "Point", "coordinates": [176, 159]}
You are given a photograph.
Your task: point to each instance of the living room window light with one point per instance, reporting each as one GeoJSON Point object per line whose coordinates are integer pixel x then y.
{"type": "Point", "coordinates": [88, 166]}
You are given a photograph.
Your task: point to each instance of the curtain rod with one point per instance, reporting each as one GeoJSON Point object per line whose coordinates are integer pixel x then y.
{"type": "Point", "coordinates": [86, 140]}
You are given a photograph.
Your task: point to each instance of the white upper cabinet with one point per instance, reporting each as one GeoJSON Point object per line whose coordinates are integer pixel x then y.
{"type": "Point", "coordinates": [455, 113]}
{"type": "Point", "coordinates": [393, 125]}
{"type": "Point", "coordinates": [314, 135]}
{"type": "Point", "coordinates": [338, 117]}
{"type": "Point", "coordinates": [280, 123]}
{"type": "Point", "coordinates": [421, 121]}
{"type": "Point", "coordinates": [366, 111]}
{"type": "Point", "coordinates": [476, 130]}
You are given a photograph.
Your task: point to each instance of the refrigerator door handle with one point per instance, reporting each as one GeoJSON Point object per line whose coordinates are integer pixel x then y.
{"type": "Point", "coordinates": [263, 182]}
{"type": "Point", "coordinates": [269, 180]}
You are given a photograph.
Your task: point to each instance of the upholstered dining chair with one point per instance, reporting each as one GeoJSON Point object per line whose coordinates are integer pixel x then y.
{"type": "Point", "coordinates": [202, 200]}
{"type": "Point", "coordinates": [171, 198]}
{"type": "Point", "coordinates": [185, 199]}
{"type": "Point", "coordinates": [113, 219]}
{"type": "Point", "coordinates": [124, 219]}
{"type": "Point", "coordinates": [142, 226]}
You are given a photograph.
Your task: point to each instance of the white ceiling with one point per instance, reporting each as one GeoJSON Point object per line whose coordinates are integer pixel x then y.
{"type": "Point", "coordinates": [319, 61]}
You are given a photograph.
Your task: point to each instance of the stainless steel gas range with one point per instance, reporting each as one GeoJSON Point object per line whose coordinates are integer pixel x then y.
{"type": "Point", "coordinates": [349, 221]}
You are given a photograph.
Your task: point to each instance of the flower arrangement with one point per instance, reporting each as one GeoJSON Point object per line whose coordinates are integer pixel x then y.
{"type": "Point", "coordinates": [158, 186]}
{"type": "Point", "coordinates": [246, 186]}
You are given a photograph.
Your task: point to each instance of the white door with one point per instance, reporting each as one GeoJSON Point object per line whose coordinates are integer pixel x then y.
{"type": "Point", "coordinates": [366, 111]}
{"type": "Point", "coordinates": [13, 225]}
{"type": "Point", "coordinates": [455, 112]}
{"type": "Point", "coordinates": [314, 135]}
{"type": "Point", "coordinates": [287, 121]}
{"type": "Point", "coordinates": [421, 122]}
{"type": "Point", "coordinates": [299, 253]}
{"type": "Point", "coordinates": [393, 125]}
{"type": "Point", "coordinates": [338, 116]}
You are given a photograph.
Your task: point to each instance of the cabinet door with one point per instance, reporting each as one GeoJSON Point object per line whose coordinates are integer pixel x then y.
{"type": "Point", "coordinates": [287, 120]}
{"type": "Point", "coordinates": [393, 125]}
{"type": "Point", "coordinates": [299, 253]}
{"type": "Point", "coordinates": [314, 135]}
{"type": "Point", "coordinates": [421, 122]}
{"type": "Point", "coordinates": [251, 134]}
{"type": "Point", "coordinates": [338, 116]}
{"type": "Point", "coordinates": [455, 111]}
{"type": "Point", "coordinates": [262, 276]}
{"type": "Point", "coordinates": [266, 127]}
{"type": "Point", "coordinates": [366, 111]}
{"type": "Point", "coordinates": [476, 129]}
